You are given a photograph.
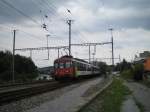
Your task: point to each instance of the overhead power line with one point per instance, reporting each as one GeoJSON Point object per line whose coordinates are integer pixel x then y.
{"type": "Point", "coordinates": [91, 44]}
{"type": "Point", "coordinates": [42, 48]}
{"type": "Point", "coordinates": [20, 12]}
{"type": "Point", "coordinates": [32, 35]}
{"type": "Point", "coordinates": [5, 28]}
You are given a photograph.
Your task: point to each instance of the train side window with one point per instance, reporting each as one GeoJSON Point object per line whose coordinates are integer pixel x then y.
{"type": "Point", "coordinates": [86, 67]}
{"type": "Point", "coordinates": [89, 68]}
{"type": "Point", "coordinates": [78, 66]}
{"type": "Point", "coordinates": [61, 65]}
{"type": "Point", "coordinates": [83, 67]}
{"type": "Point", "coordinates": [68, 64]}
{"type": "Point", "coordinates": [73, 63]}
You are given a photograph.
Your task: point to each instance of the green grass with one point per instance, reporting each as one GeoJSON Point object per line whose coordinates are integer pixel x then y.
{"type": "Point", "coordinates": [127, 74]}
{"type": "Point", "coordinates": [110, 100]}
{"type": "Point", "coordinates": [146, 82]}
{"type": "Point", "coordinates": [140, 106]}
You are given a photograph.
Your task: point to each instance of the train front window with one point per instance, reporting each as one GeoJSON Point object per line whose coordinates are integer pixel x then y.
{"type": "Point", "coordinates": [61, 65]}
{"type": "Point", "coordinates": [68, 64]}
{"type": "Point", "coordinates": [56, 65]}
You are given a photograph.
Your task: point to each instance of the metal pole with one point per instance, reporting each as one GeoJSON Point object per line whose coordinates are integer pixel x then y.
{"type": "Point", "coordinates": [89, 53]}
{"type": "Point", "coordinates": [112, 41]}
{"type": "Point", "coordinates": [13, 63]}
{"type": "Point", "coordinates": [31, 54]}
{"type": "Point", "coordinates": [95, 49]}
{"type": "Point", "coordinates": [58, 52]}
{"type": "Point", "coordinates": [119, 59]}
{"type": "Point", "coordinates": [112, 51]}
{"type": "Point", "coordinates": [69, 37]}
{"type": "Point", "coordinates": [120, 63]}
{"type": "Point", "coordinates": [47, 47]}
{"type": "Point", "coordinates": [93, 57]}
{"type": "Point", "coordinates": [69, 23]}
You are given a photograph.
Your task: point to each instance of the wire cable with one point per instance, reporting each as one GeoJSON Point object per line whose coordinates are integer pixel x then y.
{"type": "Point", "coordinates": [19, 11]}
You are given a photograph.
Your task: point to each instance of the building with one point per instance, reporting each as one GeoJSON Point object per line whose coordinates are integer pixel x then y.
{"type": "Point", "coordinates": [145, 59]}
{"type": "Point", "coordinates": [145, 54]}
{"type": "Point", "coordinates": [147, 64]}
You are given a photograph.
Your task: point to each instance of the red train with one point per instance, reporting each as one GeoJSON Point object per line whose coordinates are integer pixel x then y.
{"type": "Point", "coordinates": [69, 67]}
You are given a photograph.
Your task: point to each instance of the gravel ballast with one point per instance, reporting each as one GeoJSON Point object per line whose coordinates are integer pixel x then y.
{"type": "Point", "coordinates": [67, 99]}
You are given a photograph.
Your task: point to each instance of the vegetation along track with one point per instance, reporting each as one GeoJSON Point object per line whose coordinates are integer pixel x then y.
{"type": "Point", "coordinates": [17, 94]}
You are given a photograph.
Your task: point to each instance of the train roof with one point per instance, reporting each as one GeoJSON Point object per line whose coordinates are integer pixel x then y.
{"type": "Point", "coordinates": [66, 57]}
{"type": "Point", "coordinates": [71, 57]}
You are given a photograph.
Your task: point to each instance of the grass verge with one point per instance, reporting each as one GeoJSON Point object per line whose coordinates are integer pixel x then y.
{"type": "Point", "coordinates": [139, 105]}
{"type": "Point", "coordinates": [146, 83]}
{"type": "Point", "coordinates": [127, 75]}
{"type": "Point", "coordinates": [110, 100]}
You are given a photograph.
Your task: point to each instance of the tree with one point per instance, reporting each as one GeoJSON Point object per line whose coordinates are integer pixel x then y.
{"type": "Point", "coordinates": [124, 65]}
{"type": "Point", "coordinates": [25, 69]}
{"type": "Point", "coordinates": [103, 67]}
{"type": "Point", "coordinates": [138, 71]}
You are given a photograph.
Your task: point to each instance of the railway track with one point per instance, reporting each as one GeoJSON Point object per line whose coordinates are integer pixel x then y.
{"type": "Point", "coordinates": [10, 95]}
{"type": "Point", "coordinates": [17, 94]}
{"type": "Point", "coordinates": [14, 85]}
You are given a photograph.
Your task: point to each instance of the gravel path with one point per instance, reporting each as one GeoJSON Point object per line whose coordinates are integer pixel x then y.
{"type": "Point", "coordinates": [63, 100]}
{"type": "Point", "coordinates": [67, 102]}
{"type": "Point", "coordinates": [141, 93]}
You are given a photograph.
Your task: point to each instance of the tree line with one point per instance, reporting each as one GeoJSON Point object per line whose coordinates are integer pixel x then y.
{"type": "Point", "coordinates": [25, 69]}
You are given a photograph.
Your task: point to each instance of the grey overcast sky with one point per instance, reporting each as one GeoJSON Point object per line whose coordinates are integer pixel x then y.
{"type": "Point", "coordinates": [91, 21]}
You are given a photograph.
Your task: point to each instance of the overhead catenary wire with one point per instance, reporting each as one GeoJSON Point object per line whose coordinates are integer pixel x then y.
{"type": "Point", "coordinates": [5, 27]}
{"type": "Point", "coordinates": [19, 11]}
{"type": "Point", "coordinates": [32, 35]}
{"type": "Point", "coordinates": [45, 9]}
{"type": "Point", "coordinates": [29, 34]}
{"type": "Point", "coordinates": [22, 13]}
{"type": "Point", "coordinates": [53, 7]}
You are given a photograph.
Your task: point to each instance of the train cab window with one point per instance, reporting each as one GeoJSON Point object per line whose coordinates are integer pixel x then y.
{"type": "Point", "coordinates": [68, 64]}
{"type": "Point", "coordinates": [61, 65]}
{"type": "Point", "coordinates": [56, 65]}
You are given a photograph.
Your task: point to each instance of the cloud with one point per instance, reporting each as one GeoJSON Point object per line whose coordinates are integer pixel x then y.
{"type": "Point", "coordinates": [92, 18]}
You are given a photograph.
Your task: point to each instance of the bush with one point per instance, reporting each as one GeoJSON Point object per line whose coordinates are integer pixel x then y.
{"type": "Point", "coordinates": [127, 74]}
{"type": "Point", "coordinates": [138, 72]}
{"type": "Point", "coordinates": [25, 69]}
{"type": "Point", "coordinates": [135, 73]}
{"type": "Point", "coordinates": [6, 76]}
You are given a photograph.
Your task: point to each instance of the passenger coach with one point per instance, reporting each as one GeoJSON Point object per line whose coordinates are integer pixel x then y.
{"type": "Point", "coordinates": [69, 67]}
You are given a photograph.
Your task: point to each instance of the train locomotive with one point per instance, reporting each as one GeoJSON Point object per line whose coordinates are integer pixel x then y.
{"type": "Point", "coordinates": [69, 67]}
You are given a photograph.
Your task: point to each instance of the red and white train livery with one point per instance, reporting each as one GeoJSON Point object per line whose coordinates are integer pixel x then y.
{"type": "Point", "coordinates": [69, 67]}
